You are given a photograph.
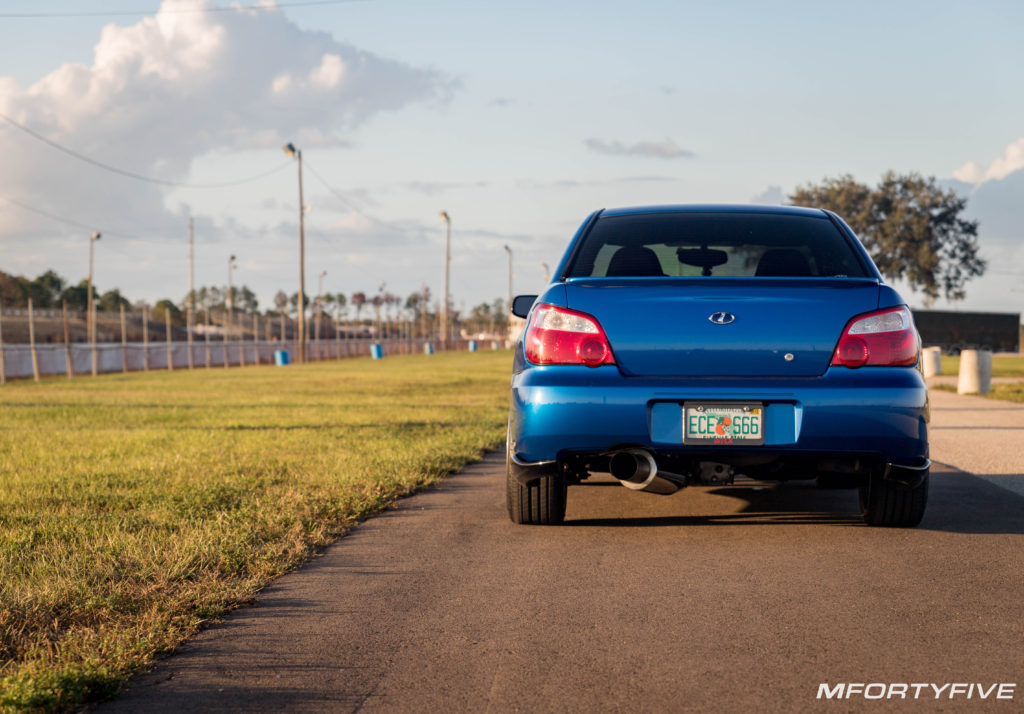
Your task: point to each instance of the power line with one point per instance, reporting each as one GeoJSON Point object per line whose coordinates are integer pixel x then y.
{"type": "Point", "coordinates": [132, 174]}
{"type": "Point", "coordinates": [174, 11]}
{"type": "Point", "coordinates": [337, 194]}
{"type": "Point", "coordinates": [66, 221]}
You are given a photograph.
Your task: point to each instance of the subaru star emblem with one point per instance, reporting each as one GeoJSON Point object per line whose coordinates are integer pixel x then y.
{"type": "Point", "coordinates": [722, 318]}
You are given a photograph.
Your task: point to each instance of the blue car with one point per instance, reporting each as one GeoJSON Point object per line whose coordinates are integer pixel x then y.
{"type": "Point", "coordinates": [685, 345]}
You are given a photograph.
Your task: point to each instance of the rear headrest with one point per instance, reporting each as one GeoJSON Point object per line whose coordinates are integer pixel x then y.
{"type": "Point", "coordinates": [635, 262]}
{"type": "Point", "coordinates": [783, 263]}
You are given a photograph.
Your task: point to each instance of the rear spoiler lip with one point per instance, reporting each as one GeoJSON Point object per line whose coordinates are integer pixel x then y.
{"type": "Point", "coordinates": [815, 282]}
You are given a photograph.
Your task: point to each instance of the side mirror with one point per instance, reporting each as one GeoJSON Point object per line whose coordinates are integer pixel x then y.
{"type": "Point", "coordinates": [521, 305]}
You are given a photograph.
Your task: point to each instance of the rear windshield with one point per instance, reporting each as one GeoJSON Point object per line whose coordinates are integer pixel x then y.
{"type": "Point", "coordinates": [716, 245]}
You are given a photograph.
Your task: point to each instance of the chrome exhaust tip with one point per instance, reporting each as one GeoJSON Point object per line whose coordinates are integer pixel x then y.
{"type": "Point", "coordinates": [637, 470]}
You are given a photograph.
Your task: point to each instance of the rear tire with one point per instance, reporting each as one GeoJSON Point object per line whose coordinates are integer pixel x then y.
{"type": "Point", "coordinates": [540, 501]}
{"type": "Point", "coordinates": [892, 504]}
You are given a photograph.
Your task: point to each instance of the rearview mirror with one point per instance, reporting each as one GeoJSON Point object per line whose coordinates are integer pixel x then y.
{"type": "Point", "coordinates": [521, 305]}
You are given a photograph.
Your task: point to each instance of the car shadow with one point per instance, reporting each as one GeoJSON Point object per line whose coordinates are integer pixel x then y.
{"type": "Point", "coordinates": [958, 503]}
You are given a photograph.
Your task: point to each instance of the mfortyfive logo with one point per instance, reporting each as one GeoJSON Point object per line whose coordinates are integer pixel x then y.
{"type": "Point", "coordinates": [916, 690]}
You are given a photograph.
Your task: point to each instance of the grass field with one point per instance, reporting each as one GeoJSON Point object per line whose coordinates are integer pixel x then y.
{"type": "Point", "coordinates": [1013, 392]}
{"type": "Point", "coordinates": [136, 508]}
{"type": "Point", "coordinates": [1002, 366]}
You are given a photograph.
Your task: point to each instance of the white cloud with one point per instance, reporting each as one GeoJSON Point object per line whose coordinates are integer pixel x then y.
{"type": "Point", "coordinates": [664, 149]}
{"type": "Point", "coordinates": [329, 73]}
{"type": "Point", "coordinates": [771, 196]}
{"type": "Point", "coordinates": [1001, 167]}
{"type": "Point", "coordinates": [171, 89]}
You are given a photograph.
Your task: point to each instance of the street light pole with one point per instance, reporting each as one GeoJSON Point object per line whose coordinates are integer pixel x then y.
{"type": "Point", "coordinates": [509, 251]}
{"type": "Point", "coordinates": [91, 305]}
{"type": "Point", "coordinates": [447, 263]}
{"type": "Point", "coordinates": [290, 149]}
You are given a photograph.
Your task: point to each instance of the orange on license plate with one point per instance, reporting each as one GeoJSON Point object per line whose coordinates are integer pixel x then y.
{"type": "Point", "coordinates": [717, 424]}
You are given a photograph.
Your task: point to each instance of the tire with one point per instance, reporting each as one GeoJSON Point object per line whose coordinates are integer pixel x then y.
{"type": "Point", "coordinates": [541, 501]}
{"type": "Point", "coordinates": [891, 504]}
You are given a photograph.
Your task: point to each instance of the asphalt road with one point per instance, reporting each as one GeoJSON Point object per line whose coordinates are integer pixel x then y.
{"type": "Point", "coordinates": [744, 597]}
{"type": "Point", "coordinates": [980, 435]}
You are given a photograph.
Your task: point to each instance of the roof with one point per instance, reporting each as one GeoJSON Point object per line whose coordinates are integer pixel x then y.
{"type": "Point", "coordinates": [716, 208]}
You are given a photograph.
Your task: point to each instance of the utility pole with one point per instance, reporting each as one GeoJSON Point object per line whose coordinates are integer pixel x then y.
{"type": "Point", "coordinates": [447, 264]}
{"type": "Point", "coordinates": [509, 251]}
{"type": "Point", "coordinates": [191, 288]}
{"type": "Point", "coordinates": [191, 264]}
{"type": "Point", "coordinates": [230, 300]}
{"type": "Point", "coordinates": [91, 305]}
{"type": "Point", "coordinates": [290, 149]}
{"type": "Point", "coordinates": [547, 273]}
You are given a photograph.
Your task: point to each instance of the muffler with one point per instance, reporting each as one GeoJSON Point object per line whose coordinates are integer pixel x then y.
{"type": "Point", "coordinates": [637, 470]}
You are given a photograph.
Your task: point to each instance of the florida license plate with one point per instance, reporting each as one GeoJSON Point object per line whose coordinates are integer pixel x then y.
{"type": "Point", "coordinates": [723, 424]}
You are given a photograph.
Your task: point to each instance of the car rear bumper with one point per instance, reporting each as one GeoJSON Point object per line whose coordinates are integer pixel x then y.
{"type": "Point", "coordinates": [881, 412]}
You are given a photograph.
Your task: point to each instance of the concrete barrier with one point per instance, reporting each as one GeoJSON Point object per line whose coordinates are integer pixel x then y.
{"type": "Point", "coordinates": [931, 361]}
{"type": "Point", "coordinates": [975, 372]}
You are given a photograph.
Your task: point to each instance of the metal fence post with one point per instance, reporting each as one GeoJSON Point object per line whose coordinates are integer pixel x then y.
{"type": "Point", "coordinates": [67, 339]}
{"type": "Point", "coordinates": [32, 342]}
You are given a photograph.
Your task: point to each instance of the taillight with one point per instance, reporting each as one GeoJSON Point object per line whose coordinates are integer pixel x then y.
{"type": "Point", "coordinates": [886, 337]}
{"type": "Point", "coordinates": [558, 335]}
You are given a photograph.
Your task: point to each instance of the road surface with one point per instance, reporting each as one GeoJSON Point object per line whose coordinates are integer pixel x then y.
{"type": "Point", "coordinates": [708, 600]}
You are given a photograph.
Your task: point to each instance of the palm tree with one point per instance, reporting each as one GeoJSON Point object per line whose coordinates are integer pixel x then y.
{"type": "Point", "coordinates": [358, 300]}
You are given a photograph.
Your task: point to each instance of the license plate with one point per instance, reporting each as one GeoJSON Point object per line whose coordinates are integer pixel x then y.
{"type": "Point", "coordinates": [723, 424]}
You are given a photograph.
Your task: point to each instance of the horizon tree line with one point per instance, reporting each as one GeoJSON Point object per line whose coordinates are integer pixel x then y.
{"type": "Point", "coordinates": [50, 290]}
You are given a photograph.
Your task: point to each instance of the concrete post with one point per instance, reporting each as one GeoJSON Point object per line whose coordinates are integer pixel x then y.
{"type": "Point", "coordinates": [975, 372]}
{"type": "Point", "coordinates": [931, 361]}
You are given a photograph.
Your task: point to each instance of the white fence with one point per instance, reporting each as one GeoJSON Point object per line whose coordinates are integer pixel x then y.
{"type": "Point", "coordinates": [76, 358]}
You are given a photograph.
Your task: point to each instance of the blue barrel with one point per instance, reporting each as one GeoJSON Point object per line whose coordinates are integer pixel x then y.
{"type": "Point", "coordinates": [428, 348]}
{"type": "Point", "coordinates": [472, 345]}
{"type": "Point", "coordinates": [376, 351]}
{"type": "Point", "coordinates": [281, 358]}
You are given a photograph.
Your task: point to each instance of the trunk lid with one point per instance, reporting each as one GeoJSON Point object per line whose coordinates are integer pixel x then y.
{"type": "Point", "coordinates": [661, 327]}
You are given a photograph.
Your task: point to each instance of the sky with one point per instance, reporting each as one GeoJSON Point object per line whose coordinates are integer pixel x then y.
{"type": "Point", "coordinates": [517, 118]}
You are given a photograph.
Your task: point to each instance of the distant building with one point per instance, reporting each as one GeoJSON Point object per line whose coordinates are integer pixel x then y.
{"type": "Point", "coordinates": [956, 331]}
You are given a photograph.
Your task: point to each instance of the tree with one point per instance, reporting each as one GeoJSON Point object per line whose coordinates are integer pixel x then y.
{"type": "Point", "coordinates": [913, 229]}
{"type": "Point", "coordinates": [245, 299]}
{"type": "Point", "coordinates": [281, 301]}
{"type": "Point", "coordinates": [11, 292]}
{"type": "Point", "coordinates": [111, 301]}
{"type": "Point", "coordinates": [340, 306]}
{"type": "Point", "coordinates": [293, 301]}
{"type": "Point", "coordinates": [77, 296]}
{"type": "Point", "coordinates": [165, 306]}
{"type": "Point", "coordinates": [46, 289]}
{"type": "Point", "coordinates": [358, 300]}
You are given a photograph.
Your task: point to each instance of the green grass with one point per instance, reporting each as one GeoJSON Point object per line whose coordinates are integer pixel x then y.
{"type": "Point", "coordinates": [1002, 366]}
{"type": "Point", "coordinates": [1012, 392]}
{"type": "Point", "coordinates": [136, 508]}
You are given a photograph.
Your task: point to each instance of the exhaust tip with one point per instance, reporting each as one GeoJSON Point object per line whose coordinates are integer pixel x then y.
{"type": "Point", "coordinates": [631, 466]}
